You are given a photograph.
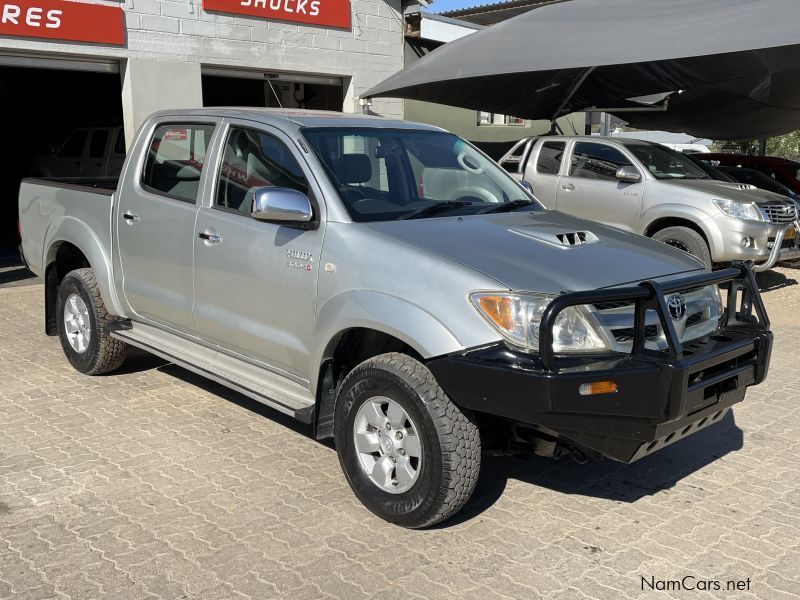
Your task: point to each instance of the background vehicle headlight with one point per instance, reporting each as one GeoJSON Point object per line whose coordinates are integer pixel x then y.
{"type": "Point", "coordinates": [517, 318]}
{"type": "Point", "coordinates": [740, 210]}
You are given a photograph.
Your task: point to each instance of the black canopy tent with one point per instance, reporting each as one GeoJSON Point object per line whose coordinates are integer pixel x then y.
{"type": "Point", "coordinates": [730, 68]}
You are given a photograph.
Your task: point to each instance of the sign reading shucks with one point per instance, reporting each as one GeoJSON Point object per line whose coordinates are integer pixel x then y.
{"type": "Point", "coordinates": [330, 13]}
{"type": "Point", "coordinates": [59, 20]}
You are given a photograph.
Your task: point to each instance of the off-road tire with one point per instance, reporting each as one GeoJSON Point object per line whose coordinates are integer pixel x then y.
{"type": "Point", "coordinates": [103, 353]}
{"type": "Point", "coordinates": [687, 240]}
{"type": "Point", "coordinates": [450, 440]}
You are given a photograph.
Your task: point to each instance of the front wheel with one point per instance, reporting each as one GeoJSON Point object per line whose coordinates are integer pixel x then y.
{"type": "Point", "coordinates": [409, 454]}
{"type": "Point", "coordinates": [687, 240]}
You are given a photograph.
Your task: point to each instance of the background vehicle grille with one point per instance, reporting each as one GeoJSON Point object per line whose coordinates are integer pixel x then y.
{"type": "Point", "coordinates": [780, 213]}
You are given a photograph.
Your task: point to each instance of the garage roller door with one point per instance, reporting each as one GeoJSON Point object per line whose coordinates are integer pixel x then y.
{"type": "Point", "coordinates": [64, 63]}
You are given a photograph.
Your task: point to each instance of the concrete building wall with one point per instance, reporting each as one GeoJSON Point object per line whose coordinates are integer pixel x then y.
{"type": "Point", "coordinates": [168, 41]}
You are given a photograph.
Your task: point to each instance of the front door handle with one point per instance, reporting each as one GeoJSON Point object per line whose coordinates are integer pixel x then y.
{"type": "Point", "coordinates": [568, 186]}
{"type": "Point", "coordinates": [209, 237]}
{"type": "Point", "coordinates": [130, 217]}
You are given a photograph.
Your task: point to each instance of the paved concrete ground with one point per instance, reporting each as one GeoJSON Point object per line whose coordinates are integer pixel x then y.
{"type": "Point", "coordinates": [154, 483]}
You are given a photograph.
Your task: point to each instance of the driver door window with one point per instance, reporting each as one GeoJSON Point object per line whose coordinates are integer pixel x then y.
{"type": "Point", "coordinates": [596, 161]}
{"type": "Point", "coordinates": [251, 160]}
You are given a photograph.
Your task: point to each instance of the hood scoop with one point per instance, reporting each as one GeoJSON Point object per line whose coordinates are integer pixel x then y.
{"type": "Point", "coordinates": [743, 186]}
{"type": "Point", "coordinates": [556, 237]}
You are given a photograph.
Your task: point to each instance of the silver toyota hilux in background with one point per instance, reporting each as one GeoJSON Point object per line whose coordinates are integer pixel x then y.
{"type": "Point", "coordinates": [652, 190]}
{"type": "Point", "coordinates": [391, 286]}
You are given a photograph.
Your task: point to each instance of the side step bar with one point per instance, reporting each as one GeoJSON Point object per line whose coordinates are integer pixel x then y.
{"type": "Point", "coordinates": [271, 389]}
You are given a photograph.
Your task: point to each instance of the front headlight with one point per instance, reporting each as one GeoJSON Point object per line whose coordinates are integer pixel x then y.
{"type": "Point", "coordinates": [740, 210]}
{"type": "Point", "coordinates": [517, 318]}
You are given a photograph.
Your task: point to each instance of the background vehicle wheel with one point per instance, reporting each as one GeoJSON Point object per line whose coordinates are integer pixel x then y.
{"type": "Point", "coordinates": [409, 454]}
{"type": "Point", "coordinates": [687, 240]}
{"type": "Point", "coordinates": [82, 319]}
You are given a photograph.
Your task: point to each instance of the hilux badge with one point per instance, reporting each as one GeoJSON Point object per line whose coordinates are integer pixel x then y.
{"type": "Point", "coordinates": [677, 307]}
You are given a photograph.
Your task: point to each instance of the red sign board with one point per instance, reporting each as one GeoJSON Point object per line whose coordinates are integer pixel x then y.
{"type": "Point", "coordinates": [59, 20]}
{"type": "Point", "coordinates": [332, 13]}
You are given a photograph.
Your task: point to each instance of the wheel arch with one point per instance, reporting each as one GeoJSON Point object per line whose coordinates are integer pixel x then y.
{"type": "Point", "coordinates": [696, 221]}
{"type": "Point", "coordinates": [664, 222]}
{"type": "Point", "coordinates": [360, 325]}
{"type": "Point", "coordinates": [72, 245]}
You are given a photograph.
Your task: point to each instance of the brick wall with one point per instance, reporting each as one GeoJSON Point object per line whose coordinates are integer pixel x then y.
{"type": "Point", "coordinates": [180, 31]}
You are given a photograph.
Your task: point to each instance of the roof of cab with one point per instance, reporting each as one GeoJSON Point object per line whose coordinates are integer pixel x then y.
{"type": "Point", "coordinates": [300, 117]}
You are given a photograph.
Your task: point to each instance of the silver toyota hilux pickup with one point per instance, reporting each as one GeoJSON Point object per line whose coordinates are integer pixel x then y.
{"type": "Point", "coordinates": [390, 285]}
{"type": "Point", "coordinates": [649, 189]}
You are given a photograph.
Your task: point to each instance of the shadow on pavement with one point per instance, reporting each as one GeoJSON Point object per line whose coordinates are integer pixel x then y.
{"type": "Point", "coordinates": [16, 275]}
{"type": "Point", "coordinates": [600, 479]}
{"type": "Point", "coordinates": [605, 479]}
{"type": "Point", "coordinates": [773, 280]}
{"type": "Point", "coordinates": [230, 395]}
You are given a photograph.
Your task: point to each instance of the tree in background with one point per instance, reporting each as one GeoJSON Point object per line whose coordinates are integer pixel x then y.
{"type": "Point", "coordinates": [786, 146]}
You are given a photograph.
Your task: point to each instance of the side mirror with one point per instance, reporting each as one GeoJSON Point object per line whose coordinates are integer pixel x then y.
{"type": "Point", "coordinates": [629, 174]}
{"type": "Point", "coordinates": [527, 185]}
{"type": "Point", "coordinates": [282, 205]}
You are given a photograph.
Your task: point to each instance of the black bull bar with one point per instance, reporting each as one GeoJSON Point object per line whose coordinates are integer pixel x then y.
{"type": "Point", "coordinates": [650, 295]}
{"type": "Point", "coordinates": [662, 396]}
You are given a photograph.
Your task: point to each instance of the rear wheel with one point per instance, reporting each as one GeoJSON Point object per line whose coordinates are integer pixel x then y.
{"type": "Point", "coordinates": [409, 454]}
{"type": "Point", "coordinates": [687, 240]}
{"type": "Point", "coordinates": [83, 322]}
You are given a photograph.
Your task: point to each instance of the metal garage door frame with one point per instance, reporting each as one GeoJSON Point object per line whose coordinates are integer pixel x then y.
{"type": "Point", "coordinates": [59, 62]}
{"type": "Point", "coordinates": [273, 76]}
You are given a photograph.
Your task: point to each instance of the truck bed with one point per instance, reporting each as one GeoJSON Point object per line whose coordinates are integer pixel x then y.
{"type": "Point", "coordinates": [101, 185]}
{"type": "Point", "coordinates": [72, 209]}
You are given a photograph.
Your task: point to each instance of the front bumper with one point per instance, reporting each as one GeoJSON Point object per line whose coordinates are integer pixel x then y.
{"type": "Point", "coordinates": [770, 242]}
{"type": "Point", "coordinates": [661, 396]}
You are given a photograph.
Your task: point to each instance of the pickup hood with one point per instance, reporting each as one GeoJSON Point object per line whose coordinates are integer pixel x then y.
{"type": "Point", "coordinates": [728, 191]}
{"type": "Point", "coordinates": [523, 251]}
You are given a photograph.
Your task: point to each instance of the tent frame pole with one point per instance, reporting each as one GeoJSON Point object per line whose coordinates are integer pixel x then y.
{"type": "Point", "coordinates": [573, 89]}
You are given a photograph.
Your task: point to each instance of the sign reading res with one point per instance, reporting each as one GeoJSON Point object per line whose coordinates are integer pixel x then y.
{"type": "Point", "coordinates": [59, 20]}
{"type": "Point", "coordinates": [331, 13]}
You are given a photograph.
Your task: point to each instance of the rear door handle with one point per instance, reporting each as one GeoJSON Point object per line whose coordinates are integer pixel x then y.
{"type": "Point", "coordinates": [568, 186]}
{"type": "Point", "coordinates": [130, 217]}
{"type": "Point", "coordinates": [209, 237]}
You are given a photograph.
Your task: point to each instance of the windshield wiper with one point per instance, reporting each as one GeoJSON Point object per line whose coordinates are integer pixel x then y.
{"type": "Point", "coordinates": [507, 206]}
{"type": "Point", "coordinates": [434, 208]}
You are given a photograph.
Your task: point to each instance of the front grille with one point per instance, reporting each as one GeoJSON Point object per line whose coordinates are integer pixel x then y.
{"type": "Point", "coordinates": [616, 319]}
{"type": "Point", "coordinates": [694, 319]}
{"type": "Point", "coordinates": [626, 333]}
{"type": "Point", "coordinates": [613, 305]}
{"type": "Point", "coordinates": [780, 213]}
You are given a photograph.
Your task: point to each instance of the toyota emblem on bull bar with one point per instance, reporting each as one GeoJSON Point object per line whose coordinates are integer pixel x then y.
{"type": "Point", "coordinates": [677, 307]}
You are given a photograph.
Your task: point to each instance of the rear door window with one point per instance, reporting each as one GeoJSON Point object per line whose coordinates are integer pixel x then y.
{"type": "Point", "coordinates": [596, 161]}
{"type": "Point", "coordinates": [119, 145]}
{"type": "Point", "coordinates": [74, 145]}
{"type": "Point", "coordinates": [550, 156]}
{"type": "Point", "coordinates": [97, 145]}
{"type": "Point", "coordinates": [175, 160]}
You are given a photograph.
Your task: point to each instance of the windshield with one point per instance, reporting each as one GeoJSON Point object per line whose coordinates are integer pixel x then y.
{"type": "Point", "coordinates": [388, 174]}
{"type": "Point", "coordinates": [664, 163]}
